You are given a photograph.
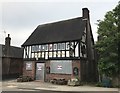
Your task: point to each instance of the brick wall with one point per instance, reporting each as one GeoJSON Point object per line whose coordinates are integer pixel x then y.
{"type": "Point", "coordinates": [76, 63]}
{"type": "Point", "coordinates": [16, 66]}
{"type": "Point", "coordinates": [48, 77]}
{"type": "Point", "coordinates": [30, 73]}
{"type": "Point", "coordinates": [11, 67]}
{"type": "Point", "coordinates": [5, 66]}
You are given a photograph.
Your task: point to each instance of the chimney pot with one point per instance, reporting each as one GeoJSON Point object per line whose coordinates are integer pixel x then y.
{"type": "Point", "coordinates": [7, 45]}
{"type": "Point", "coordinates": [8, 35]}
{"type": "Point", "coordinates": [85, 13]}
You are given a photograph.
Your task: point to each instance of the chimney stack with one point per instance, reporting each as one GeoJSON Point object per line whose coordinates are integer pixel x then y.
{"type": "Point", "coordinates": [7, 45]}
{"type": "Point", "coordinates": [85, 13]}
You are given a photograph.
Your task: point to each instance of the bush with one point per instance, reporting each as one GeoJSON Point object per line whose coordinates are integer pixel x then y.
{"type": "Point", "coordinates": [99, 84]}
{"type": "Point", "coordinates": [24, 79]}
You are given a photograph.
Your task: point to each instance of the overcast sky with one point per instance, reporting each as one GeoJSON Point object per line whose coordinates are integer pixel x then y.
{"type": "Point", "coordinates": [19, 19]}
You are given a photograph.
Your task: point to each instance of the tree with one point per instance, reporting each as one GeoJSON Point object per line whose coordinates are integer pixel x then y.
{"type": "Point", "coordinates": [108, 42]}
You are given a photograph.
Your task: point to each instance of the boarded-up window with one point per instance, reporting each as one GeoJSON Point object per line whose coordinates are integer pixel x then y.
{"type": "Point", "coordinates": [61, 66]}
{"type": "Point", "coordinates": [28, 65]}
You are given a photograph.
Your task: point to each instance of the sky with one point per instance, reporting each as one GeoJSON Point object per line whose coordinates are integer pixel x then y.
{"type": "Point", "coordinates": [19, 18]}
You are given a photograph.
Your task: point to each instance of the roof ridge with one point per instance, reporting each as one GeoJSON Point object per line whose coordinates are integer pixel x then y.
{"type": "Point", "coordinates": [59, 21]}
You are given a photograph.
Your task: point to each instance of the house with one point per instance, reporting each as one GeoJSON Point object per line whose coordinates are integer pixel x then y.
{"type": "Point", "coordinates": [11, 59]}
{"type": "Point", "coordinates": [63, 49]}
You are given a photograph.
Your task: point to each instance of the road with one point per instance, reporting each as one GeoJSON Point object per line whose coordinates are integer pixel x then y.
{"type": "Point", "coordinates": [11, 86]}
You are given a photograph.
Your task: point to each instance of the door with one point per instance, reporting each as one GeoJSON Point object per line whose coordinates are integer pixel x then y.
{"type": "Point", "coordinates": [40, 71]}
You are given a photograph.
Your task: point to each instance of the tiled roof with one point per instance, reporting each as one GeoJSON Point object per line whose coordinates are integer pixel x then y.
{"type": "Point", "coordinates": [61, 31]}
{"type": "Point", "coordinates": [15, 52]}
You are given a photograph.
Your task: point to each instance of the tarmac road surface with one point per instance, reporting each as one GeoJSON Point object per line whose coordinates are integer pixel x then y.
{"type": "Point", "coordinates": [11, 86]}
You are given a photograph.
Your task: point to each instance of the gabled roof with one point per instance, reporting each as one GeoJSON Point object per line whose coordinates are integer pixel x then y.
{"type": "Point", "coordinates": [15, 52]}
{"type": "Point", "coordinates": [61, 31]}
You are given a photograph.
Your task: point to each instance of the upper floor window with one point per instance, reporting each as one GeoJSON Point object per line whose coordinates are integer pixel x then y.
{"type": "Point", "coordinates": [43, 47]}
{"type": "Point", "coordinates": [61, 46]}
{"type": "Point", "coordinates": [35, 48]}
{"type": "Point", "coordinates": [67, 45]}
{"type": "Point", "coordinates": [46, 47]}
{"type": "Point", "coordinates": [55, 47]}
{"type": "Point", "coordinates": [50, 47]}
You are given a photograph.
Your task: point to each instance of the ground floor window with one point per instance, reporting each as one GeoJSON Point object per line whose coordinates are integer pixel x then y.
{"type": "Point", "coordinates": [28, 65]}
{"type": "Point", "coordinates": [61, 66]}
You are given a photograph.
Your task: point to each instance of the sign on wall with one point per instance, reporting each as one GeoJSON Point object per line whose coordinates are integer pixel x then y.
{"type": "Point", "coordinates": [28, 65]}
{"type": "Point", "coordinates": [39, 67]}
{"type": "Point", "coordinates": [61, 66]}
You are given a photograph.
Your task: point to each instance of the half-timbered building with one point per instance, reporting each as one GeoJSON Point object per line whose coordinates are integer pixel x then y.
{"type": "Point", "coordinates": [63, 49]}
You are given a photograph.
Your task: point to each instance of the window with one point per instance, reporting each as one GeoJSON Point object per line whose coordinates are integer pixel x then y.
{"type": "Point", "coordinates": [55, 47]}
{"type": "Point", "coordinates": [67, 45]}
{"type": "Point", "coordinates": [40, 48]}
{"type": "Point", "coordinates": [63, 46]}
{"type": "Point", "coordinates": [35, 48]}
{"type": "Point", "coordinates": [59, 66]}
{"type": "Point", "coordinates": [59, 46]}
{"type": "Point", "coordinates": [43, 47]}
{"type": "Point", "coordinates": [46, 47]}
{"type": "Point", "coordinates": [50, 47]}
{"type": "Point", "coordinates": [28, 65]}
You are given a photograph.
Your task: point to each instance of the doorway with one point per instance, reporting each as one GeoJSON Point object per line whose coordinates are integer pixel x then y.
{"type": "Point", "coordinates": [40, 71]}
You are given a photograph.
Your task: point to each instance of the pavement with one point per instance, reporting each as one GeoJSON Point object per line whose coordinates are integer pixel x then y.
{"type": "Point", "coordinates": [13, 85]}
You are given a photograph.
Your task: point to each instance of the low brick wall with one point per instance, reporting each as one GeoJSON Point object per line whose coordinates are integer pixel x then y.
{"type": "Point", "coordinates": [52, 76]}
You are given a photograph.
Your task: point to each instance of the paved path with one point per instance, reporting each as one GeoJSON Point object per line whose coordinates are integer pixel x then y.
{"type": "Point", "coordinates": [12, 85]}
